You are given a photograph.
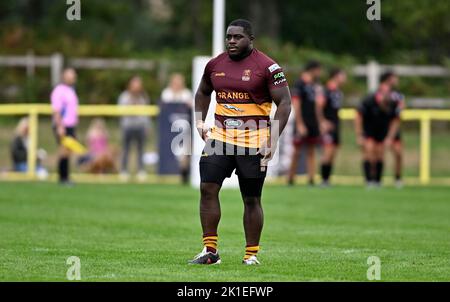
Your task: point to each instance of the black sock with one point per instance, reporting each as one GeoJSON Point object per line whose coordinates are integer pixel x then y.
{"type": "Point", "coordinates": [367, 167]}
{"type": "Point", "coordinates": [326, 172]}
{"type": "Point", "coordinates": [398, 177]}
{"type": "Point", "coordinates": [185, 176]}
{"type": "Point", "coordinates": [378, 171]}
{"type": "Point", "coordinates": [63, 169]}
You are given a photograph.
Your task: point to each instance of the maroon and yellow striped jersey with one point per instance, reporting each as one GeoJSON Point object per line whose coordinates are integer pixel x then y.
{"type": "Point", "coordinates": [243, 97]}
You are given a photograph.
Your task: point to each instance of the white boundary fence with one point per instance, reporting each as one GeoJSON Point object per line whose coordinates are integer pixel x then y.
{"type": "Point", "coordinates": [372, 70]}
{"type": "Point", "coordinates": [56, 64]}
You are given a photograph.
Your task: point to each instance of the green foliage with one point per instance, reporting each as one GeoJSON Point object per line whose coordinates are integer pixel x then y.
{"type": "Point", "coordinates": [421, 25]}
{"type": "Point", "coordinates": [112, 28]}
{"type": "Point", "coordinates": [293, 31]}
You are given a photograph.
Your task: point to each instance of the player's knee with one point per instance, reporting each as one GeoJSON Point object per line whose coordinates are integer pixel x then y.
{"type": "Point", "coordinates": [209, 190]}
{"type": "Point", "coordinates": [310, 150]}
{"type": "Point", "coordinates": [327, 158]}
{"type": "Point", "coordinates": [252, 201]}
{"type": "Point", "coordinates": [398, 150]}
{"type": "Point", "coordinates": [370, 153]}
{"type": "Point", "coordinates": [327, 161]}
{"type": "Point", "coordinates": [63, 152]}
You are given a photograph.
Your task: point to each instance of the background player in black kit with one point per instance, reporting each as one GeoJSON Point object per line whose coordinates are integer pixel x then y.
{"type": "Point", "coordinates": [305, 95]}
{"type": "Point", "coordinates": [376, 125]}
{"type": "Point", "coordinates": [328, 118]}
{"type": "Point", "coordinates": [389, 82]}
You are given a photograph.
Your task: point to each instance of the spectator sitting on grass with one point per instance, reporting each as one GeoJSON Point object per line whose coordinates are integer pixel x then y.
{"type": "Point", "coordinates": [100, 158]}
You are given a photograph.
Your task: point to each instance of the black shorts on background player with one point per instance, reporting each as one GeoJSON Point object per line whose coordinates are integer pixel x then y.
{"type": "Point", "coordinates": [312, 137]}
{"type": "Point", "coordinates": [332, 137]}
{"type": "Point", "coordinates": [70, 131]}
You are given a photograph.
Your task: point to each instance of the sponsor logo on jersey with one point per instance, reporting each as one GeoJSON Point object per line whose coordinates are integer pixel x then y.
{"type": "Point", "coordinates": [274, 67]}
{"type": "Point", "coordinates": [231, 107]}
{"type": "Point", "coordinates": [233, 123]}
{"type": "Point", "coordinates": [279, 81]}
{"type": "Point", "coordinates": [246, 75]}
{"type": "Point", "coordinates": [279, 75]}
{"type": "Point", "coordinates": [219, 74]}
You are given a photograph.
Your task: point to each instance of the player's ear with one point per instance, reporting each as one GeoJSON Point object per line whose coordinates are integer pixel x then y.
{"type": "Point", "coordinates": [252, 37]}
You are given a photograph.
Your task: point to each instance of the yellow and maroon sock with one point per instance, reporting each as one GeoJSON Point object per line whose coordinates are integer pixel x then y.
{"type": "Point", "coordinates": [251, 251]}
{"type": "Point", "coordinates": [210, 242]}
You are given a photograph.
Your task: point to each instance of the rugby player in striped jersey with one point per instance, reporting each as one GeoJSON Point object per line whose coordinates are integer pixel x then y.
{"type": "Point", "coordinates": [247, 83]}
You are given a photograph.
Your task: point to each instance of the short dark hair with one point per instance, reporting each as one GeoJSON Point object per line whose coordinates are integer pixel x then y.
{"type": "Point", "coordinates": [335, 71]}
{"type": "Point", "coordinates": [386, 76]}
{"type": "Point", "coordinates": [313, 64]}
{"type": "Point", "coordinates": [245, 24]}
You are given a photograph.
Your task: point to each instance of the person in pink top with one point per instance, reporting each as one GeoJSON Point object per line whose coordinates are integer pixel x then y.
{"type": "Point", "coordinates": [64, 101]}
{"type": "Point", "coordinates": [100, 158]}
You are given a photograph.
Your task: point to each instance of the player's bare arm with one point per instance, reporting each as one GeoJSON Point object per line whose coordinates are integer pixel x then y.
{"type": "Point", "coordinates": [358, 129]}
{"type": "Point", "coordinates": [282, 98]}
{"type": "Point", "coordinates": [323, 124]}
{"type": "Point", "coordinates": [57, 119]}
{"type": "Point", "coordinates": [393, 129]}
{"type": "Point", "coordinates": [299, 123]}
{"type": "Point", "coordinates": [202, 101]}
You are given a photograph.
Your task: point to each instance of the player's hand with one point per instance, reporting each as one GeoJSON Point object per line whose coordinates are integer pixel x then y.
{"type": "Point", "coordinates": [325, 127]}
{"type": "Point", "coordinates": [267, 151]}
{"type": "Point", "coordinates": [388, 142]}
{"type": "Point", "coordinates": [202, 130]}
{"type": "Point", "coordinates": [302, 130]}
{"type": "Point", "coordinates": [61, 131]}
{"type": "Point", "coordinates": [360, 140]}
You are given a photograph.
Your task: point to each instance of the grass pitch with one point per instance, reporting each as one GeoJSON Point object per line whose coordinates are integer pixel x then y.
{"type": "Point", "coordinates": [147, 233]}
